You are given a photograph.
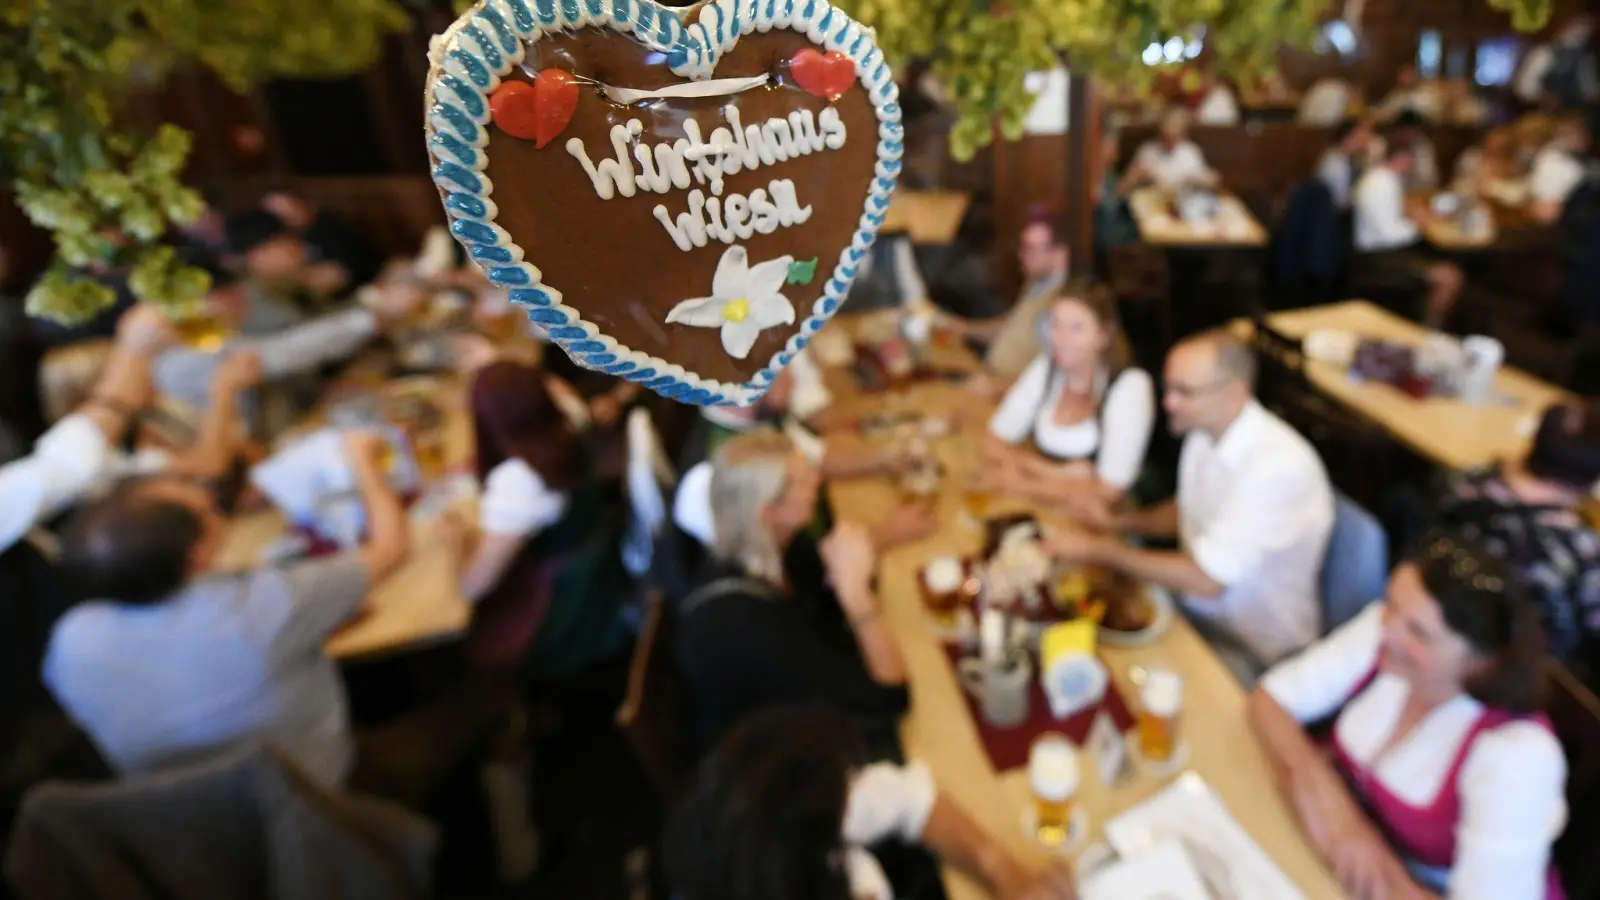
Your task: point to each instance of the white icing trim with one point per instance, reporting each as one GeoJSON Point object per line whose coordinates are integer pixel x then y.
{"type": "Point", "coordinates": [720, 87]}
{"type": "Point", "coordinates": [469, 69]}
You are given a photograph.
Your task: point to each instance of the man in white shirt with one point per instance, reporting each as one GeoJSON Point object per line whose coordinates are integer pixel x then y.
{"type": "Point", "coordinates": [1219, 106]}
{"type": "Point", "coordinates": [1411, 95]}
{"type": "Point", "coordinates": [1326, 104]}
{"type": "Point", "coordinates": [1172, 161]}
{"type": "Point", "coordinates": [1557, 171]}
{"type": "Point", "coordinates": [1388, 238]}
{"type": "Point", "coordinates": [1252, 516]}
{"type": "Point", "coordinates": [70, 460]}
{"type": "Point", "coordinates": [1339, 163]}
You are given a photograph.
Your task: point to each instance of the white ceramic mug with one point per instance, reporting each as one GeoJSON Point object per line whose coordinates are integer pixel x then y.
{"type": "Point", "coordinates": [1001, 689]}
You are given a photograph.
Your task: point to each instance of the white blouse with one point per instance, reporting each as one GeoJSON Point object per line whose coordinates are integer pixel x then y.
{"type": "Point", "coordinates": [1116, 438]}
{"type": "Point", "coordinates": [517, 502]}
{"type": "Point", "coordinates": [886, 801]}
{"type": "Point", "coordinates": [1511, 783]}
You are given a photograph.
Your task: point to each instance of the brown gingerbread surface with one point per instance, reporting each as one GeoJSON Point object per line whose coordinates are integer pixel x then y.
{"type": "Point", "coordinates": [610, 258]}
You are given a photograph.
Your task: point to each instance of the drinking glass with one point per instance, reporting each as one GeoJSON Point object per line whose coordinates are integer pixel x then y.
{"type": "Point", "coordinates": [1053, 778]}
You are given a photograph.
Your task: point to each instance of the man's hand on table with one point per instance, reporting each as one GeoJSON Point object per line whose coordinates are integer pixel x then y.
{"type": "Point", "coordinates": [1075, 546]}
{"type": "Point", "coordinates": [904, 524]}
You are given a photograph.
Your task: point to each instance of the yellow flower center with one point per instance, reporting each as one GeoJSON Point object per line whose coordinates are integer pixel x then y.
{"type": "Point", "coordinates": [736, 310]}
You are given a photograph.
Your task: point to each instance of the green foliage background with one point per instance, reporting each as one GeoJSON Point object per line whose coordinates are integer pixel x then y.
{"type": "Point", "coordinates": [76, 172]}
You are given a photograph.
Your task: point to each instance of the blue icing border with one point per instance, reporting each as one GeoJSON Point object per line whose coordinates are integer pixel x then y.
{"type": "Point", "coordinates": [464, 72]}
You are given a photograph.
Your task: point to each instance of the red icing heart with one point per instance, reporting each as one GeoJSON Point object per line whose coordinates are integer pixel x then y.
{"type": "Point", "coordinates": [535, 112]}
{"type": "Point", "coordinates": [823, 74]}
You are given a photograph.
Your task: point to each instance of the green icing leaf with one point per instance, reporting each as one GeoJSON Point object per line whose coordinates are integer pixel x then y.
{"type": "Point", "coordinates": [801, 272]}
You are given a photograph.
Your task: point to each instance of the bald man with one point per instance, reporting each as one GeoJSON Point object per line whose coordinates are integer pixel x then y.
{"type": "Point", "coordinates": [1252, 516]}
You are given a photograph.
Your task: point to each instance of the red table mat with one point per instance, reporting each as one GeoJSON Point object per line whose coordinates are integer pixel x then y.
{"type": "Point", "coordinates": [1008, 748]}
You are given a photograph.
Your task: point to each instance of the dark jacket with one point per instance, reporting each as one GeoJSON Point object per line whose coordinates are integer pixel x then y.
{"type": "Point", "coordinates": [246, 827]}
{"type": "Point", "coordinates": [1308, 245]}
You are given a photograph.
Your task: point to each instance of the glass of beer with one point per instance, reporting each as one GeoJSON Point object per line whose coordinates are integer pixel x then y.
{"type": "Point", "coordinates": [942, 583]}
{"type": "Point", "coordinates": [1160, 702]}
{"type": "Point", "coordinates": [201, 329]}
{"type": "Point", "coordinates": [1072, 588]}
{"type": "Point", "coordinates": [430, 453]}
{"type": "Point", "coordinates": [1053, 776]}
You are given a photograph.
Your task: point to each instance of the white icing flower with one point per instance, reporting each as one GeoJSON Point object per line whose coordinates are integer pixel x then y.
{"type": "Point", "coordinates": [744, 301]}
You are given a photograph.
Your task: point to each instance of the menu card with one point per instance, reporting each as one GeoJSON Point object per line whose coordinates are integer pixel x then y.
{"type": "Point", "coordinates": [1230, 862]}
{"type": "Point", "coordinates": [1163, 872]}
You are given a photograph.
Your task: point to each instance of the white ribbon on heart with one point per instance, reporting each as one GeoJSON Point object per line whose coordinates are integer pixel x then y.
{"type": "Point", "coordinates": [717, 87]}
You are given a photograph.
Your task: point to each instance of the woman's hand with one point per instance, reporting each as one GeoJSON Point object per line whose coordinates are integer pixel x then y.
{"type": "Point", "coordinates": [1367, 868]}
{"type": "Point", "coordinates": [850, 558]}
{"type": "Point", "coordinates": [1340, 830]}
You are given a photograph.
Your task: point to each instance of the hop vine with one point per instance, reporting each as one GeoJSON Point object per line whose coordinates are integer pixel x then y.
{"type": "Point", "coordinates": [982, 51]}
{"type": "Point", "coordinates": [108, 194]}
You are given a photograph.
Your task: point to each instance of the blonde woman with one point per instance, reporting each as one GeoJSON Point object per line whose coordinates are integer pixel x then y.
{"type": "Point", "coordinates": [1076, 425]}
{"type": "Point", "coordinates": [782, 617]}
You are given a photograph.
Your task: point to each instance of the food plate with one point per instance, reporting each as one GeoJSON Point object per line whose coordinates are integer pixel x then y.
{"type": "Point", "coordinates": [1163, 610]}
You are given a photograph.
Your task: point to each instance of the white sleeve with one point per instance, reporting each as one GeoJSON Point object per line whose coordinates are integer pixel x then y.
{"type": "Point", "coordinates": [67, 462]}
{"type": "Point", "coordinates": [1530, 79]}
{"type": "Point", "coordinates": [906, 274]}
{"type": "Point", "coordinates": [1554, 177]}
{"type": "Point", "coordinates": [1380, 203]}
{"type": "Point", "coordinates": [1194, 166]}
{"type": "Point", "coordinates": [517, 502]}
{"type": "Point", "coordinates": [1146, 156]}
{"type": "Point", "coordinates": [315, 343]}
{"type": "Point", "coordinates": [886, 801]}
{"type": "Point", "coordinates": [1013, 421]}
{"type": "Point", "coordinates": [810, 395]}
{"type": "Point", "coordinates": [1314, 683]}
{"type": "Point", "coordinates": [1265, 512]}
{"type": "Point", "coordinates": [1333, 175]}
{"type": "Point", "coordinates": [1125, 425]}
{"type": "Point", "coordinates": [1512, 808]}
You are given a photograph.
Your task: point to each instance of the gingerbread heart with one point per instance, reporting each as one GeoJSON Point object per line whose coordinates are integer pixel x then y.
{"type": "Point", "coordinates": [672, 235]}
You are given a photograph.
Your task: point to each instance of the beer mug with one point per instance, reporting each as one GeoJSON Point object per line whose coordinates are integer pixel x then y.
{"type": "Point", "coordinates": [943, 585]}
{"type": "Point", "coordinates": [1053, 778]}
{"type": "Point", "coordinates": [1001, 687]}
{"type": "Point", "coordinates": [1160, 701]}
{"type": "Point", "coordinates": [201, 329]}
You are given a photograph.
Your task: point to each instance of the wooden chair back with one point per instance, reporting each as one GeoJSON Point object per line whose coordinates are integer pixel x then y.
{"type": "Point", "coordinates": [651, 715]}
{"type": "Point", "coordinates": [1280, 363]}
{"type": "Point", "coordinates": [1575, 712]}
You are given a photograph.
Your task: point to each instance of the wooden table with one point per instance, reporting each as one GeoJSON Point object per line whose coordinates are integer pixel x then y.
{"type": "Point", "coordinates": [1511, 226]}
{"type": "Point", "coordinates": [939, 729]}
{"type": "Point", "coordinates": [420, 603]}
{"type": "Point", "coordinates": [1233, 227]}
{"type": "Point", "coordinates": [931, 217]}
{"type": "Point", "coordinates": [1448, 432]}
